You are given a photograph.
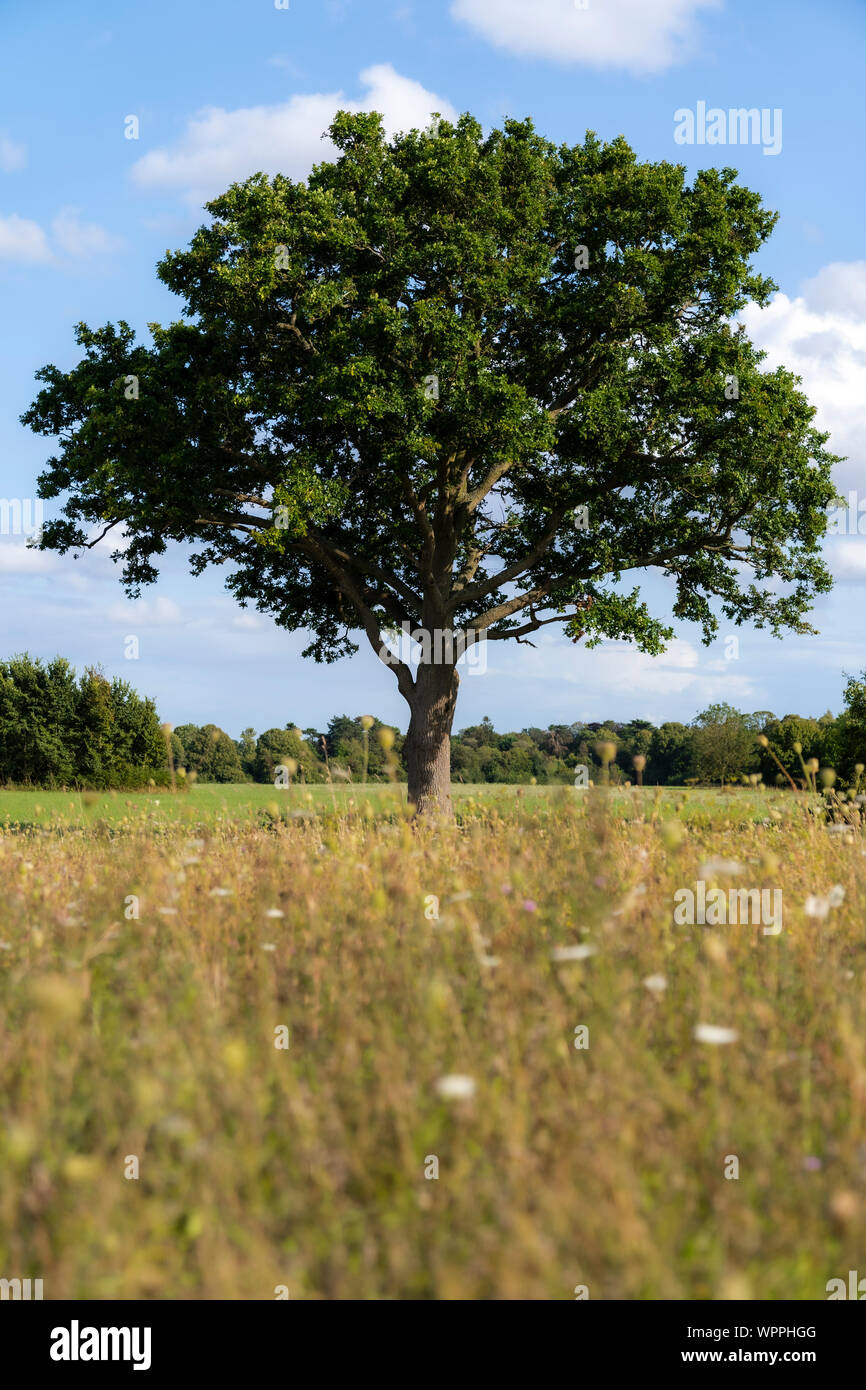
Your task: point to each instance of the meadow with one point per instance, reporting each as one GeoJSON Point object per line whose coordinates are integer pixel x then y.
{"type": "Point", "coordinates": [244, 805]}
{"type": "Point", "coordinates": [254, 1049]}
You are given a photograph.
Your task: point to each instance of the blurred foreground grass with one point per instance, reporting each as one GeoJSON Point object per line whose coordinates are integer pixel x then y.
{"type": "Point", "coordinates": [154, 1038]}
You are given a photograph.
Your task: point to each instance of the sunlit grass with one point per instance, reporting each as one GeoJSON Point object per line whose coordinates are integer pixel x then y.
{"type": "Point", "coordinates": [397, 957]}
{"type": "Point", "coordinates": [249, 804]}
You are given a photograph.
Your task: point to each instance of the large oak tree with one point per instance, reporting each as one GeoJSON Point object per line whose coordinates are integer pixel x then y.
{"type": "Point", "coordinates": [463, 382]}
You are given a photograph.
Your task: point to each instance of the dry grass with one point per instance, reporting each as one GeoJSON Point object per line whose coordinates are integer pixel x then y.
{"type": "Point", "coordinates": [305, 1167]}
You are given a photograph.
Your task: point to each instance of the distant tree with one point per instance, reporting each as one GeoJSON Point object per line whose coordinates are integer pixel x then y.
{"type": "Point", "coordinates": [95, 750]}
{"type": "Point", "coordinates": [284, 748]}
{"type": "Point", "coordinates": [784, 735]}
{"type": "Point", "coordinates": [210, 753]}
{"type": "Point", "coordinates": [37, 721]}
{"type": "Point", "coordinates": [139, 741]}
{"type": "Point", "coordinates": [59, 731]}
{"type": "Point", "coordinates": [724, 745]}
{"type": "Point", "coordinates": [851, 731]}
{"type": "Point", "coordinates": [246, 746]}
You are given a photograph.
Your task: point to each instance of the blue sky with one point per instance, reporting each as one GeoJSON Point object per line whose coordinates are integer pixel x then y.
{"type": "Point", "coordinates": [222, 88]}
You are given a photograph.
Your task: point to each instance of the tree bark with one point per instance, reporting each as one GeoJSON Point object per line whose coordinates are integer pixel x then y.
{"type": "Point", "coordinates": [428, 740]}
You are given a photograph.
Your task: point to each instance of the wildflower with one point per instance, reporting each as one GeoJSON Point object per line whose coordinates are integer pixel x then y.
{"type": "Point", "coordinates": [220, 892]}
{"type": "Point", "coordinates": [581, 952]}
{"type": "Point", "coordinates": [811, 1164]}
{"type": "Point", "coordinates": [529, 905]}
{"type": "Point", "coordinates": [816, 907]}
{"type": "Point", "coordinates": [274, 912]}
{"type": "Point", "coordinates": [657, 984]}
{"type": "Point", "coordinates": [836, 896]}
{"type": "Point", "coordinates": [719, 866]}
{"type": "Point", "coordinates": [268, 946]}
{"type": "Point", "coordinates": [456, 1087]}
{"type": "Point", "coordinates": [709, 1033]}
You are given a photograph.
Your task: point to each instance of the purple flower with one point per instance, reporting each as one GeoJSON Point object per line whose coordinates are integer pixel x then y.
{"type": "Point", "coordinates": [529, 904]}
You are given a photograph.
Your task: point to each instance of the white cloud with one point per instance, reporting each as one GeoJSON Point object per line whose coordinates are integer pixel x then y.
{"type": "Point", "coordinates": [26, 243]}
{"type": "Point", "coordinates": [79, 238]}
{"type": "Point", "coordinates": [840, 288]}
{"type": "Point", "coordinates": [639, 35]}
{"type": "Point", "coordinates": [221, 147]}
{"type": "Point", "coordinates": [16, 557]}
{"type": "Point", "coordinates": [23, 241]}
{"type": "Point", "coordinates": [847, 560]}
{"type": "Point", "coordinates": [617, 670]}
{"type": "Point", "coordinates": [12, 155]}
{"type": "Point", "coordinates": [821, 335]}
{"type": "Point", "coordinates": [145, 612]}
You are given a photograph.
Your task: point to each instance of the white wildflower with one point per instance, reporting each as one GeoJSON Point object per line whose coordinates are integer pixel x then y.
{"type": "Point", "coordinates": [456, 1087]}
{"type": "Point", "coordinates": [720, 866]}
{"type": "Point", "coordinates": [816, 907]}
{"type": "Point", "coordinates": [709, 1033]}
{"type": "Point", "coordinates": [581, 952]}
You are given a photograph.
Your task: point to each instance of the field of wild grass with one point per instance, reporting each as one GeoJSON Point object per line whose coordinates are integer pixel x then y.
{"type": "Point", "coordinates": [428, 989]}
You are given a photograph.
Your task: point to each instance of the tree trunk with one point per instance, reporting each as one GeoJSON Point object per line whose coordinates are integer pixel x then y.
{"type": "Point", "coordinates": [428, 740]}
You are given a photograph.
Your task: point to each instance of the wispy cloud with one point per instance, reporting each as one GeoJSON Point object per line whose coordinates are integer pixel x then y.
{"type": "Point", "coordinates": [13, 155]}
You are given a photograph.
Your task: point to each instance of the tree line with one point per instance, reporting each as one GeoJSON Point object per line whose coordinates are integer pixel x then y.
{"type": "Point", "coordinates": [58, 729]}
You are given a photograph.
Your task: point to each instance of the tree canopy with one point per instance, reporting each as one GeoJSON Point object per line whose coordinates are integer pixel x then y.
{"type": "Point", "coordinates": [460, 381]}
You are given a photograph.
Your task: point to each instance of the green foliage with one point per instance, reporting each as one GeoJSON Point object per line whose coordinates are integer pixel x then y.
{"type": "Point", "coordinates": [724, 747]}
{"type": "Point", "coordinates": [58, 731]}
{"type": "Point", "coordinates": [285, 425]}
{"type": "Point", "coordinates": [276, 747]}
{"type": "Point", "coordinates": [209, 753]}
{"type": "Point", "coordinates": [851, 735]}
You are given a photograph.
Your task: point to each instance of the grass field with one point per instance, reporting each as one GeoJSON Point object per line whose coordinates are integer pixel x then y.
{"type": "Point", "coordinates": [243, 805]}
{"type": "Point", "coordinates": [395, 958]}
